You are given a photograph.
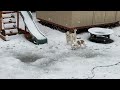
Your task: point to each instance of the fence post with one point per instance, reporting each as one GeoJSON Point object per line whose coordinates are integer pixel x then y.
{"type": "Point", "coordinates": [0, 21]}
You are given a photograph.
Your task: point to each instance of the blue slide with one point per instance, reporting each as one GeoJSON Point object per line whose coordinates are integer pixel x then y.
{"type": "Point", "coordinates": [37, 36]}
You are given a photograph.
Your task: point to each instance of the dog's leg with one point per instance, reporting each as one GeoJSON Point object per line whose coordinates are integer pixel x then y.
{"type": "Point", "coordinates": [72, 47]}
{"type": "Point", "coordinates": [71, 38]}
{"type": "Point", "coordinates": [83, 43]}
{"type": "Point", "coordinates": [79, 43]}
{"type": "Point", "coordinates": [67, 38]}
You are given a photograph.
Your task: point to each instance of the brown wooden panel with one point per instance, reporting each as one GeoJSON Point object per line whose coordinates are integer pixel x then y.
{"type": "Point", "coordinates": [99, 17]}
{"type": "Point", "coordinates": [118, 16]}
{"type": "Point", "coordinates": [82, 18]}
{"type": "Point", "coordinates": [58, 17]}
{"type": "Point", "coordinates": [110, 16]}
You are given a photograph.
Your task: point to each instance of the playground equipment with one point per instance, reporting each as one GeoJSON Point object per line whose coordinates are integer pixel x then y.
{"type": "Point", "coordinates": [9, 25]}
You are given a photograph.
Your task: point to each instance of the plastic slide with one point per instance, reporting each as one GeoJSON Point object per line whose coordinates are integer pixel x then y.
{"type": "Point", "coordinates": [37, 36]}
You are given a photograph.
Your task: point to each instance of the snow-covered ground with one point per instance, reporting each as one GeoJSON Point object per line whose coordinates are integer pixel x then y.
{"type": "Point", "coordinates": [21, 59]}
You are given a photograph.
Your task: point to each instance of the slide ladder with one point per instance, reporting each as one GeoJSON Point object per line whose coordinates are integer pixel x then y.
{"type": "Point", "coordinates": [9, 24]}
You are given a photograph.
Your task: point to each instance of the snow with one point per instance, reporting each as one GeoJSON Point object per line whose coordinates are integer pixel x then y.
{"type": "Point", "coordinates": [11, 30]}
{"type": "Point", "coordinates": [9, 25]}
{"type": "Point", "coordinates": [100, 31]}
{"type": "Point", "coordinates": [31, 26]}
{"type": "Point", "coordinates": [9, 19]}
{"type": "Point", "coordinates": [6, 15]}
{"type": "Point", "coordinates": [21, 59]}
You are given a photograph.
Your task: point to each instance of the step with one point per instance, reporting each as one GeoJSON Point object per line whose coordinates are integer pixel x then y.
{"type": "Point", "coordinates": [11, 31]}
{"type": "Point", "coordinates": [9, 26]}
{"type": "Point", "coordinates": [4, 16]}
{"type": "Point", "coordinates": [10, 34]}
{"type": "Point", "coordinates": [6, 12]}
{"type": "Point", "coordinates": [9, 20]}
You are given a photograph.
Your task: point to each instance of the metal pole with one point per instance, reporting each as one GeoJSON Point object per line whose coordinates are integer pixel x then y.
{"type": "Point", "coordinates": [18, 20]}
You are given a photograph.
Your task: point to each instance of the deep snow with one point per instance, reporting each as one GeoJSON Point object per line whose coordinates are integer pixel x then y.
{"type": "Point", "coordinates": [20, 58]}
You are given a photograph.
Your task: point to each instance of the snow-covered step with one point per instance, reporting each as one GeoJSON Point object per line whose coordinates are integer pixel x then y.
{"type": "Point", "coordinates": [8, 16]}
{"type": "Point", "coordinates": [9, 20]}
{"type": "Point", "coordinates": [9, 26]}
{"type": "Point", "coordinates": [6, 12]}
{"type": "Point", "coordinates": [11, 31]}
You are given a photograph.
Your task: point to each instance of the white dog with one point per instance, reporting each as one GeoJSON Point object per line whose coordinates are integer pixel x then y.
{"type": "Point", "coordinates": [72, 39]}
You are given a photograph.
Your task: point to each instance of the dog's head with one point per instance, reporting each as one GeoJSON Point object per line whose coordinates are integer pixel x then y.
{"type": "Point", "coordinates": [67, 33]}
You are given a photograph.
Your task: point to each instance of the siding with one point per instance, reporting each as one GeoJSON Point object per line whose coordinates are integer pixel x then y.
{"type": "Point", "coordinates": [98, 17]}
{"type": "Point", "coordinates": [82, 18]}
{"type": "Point", "coordinates": [59, 17]}
{"type": "Point", "coordinates": [110, 16]}
{"type": "Point", "coordinates": [118, 16]}
{"type": "Point", "coordinates": [79, 18]}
